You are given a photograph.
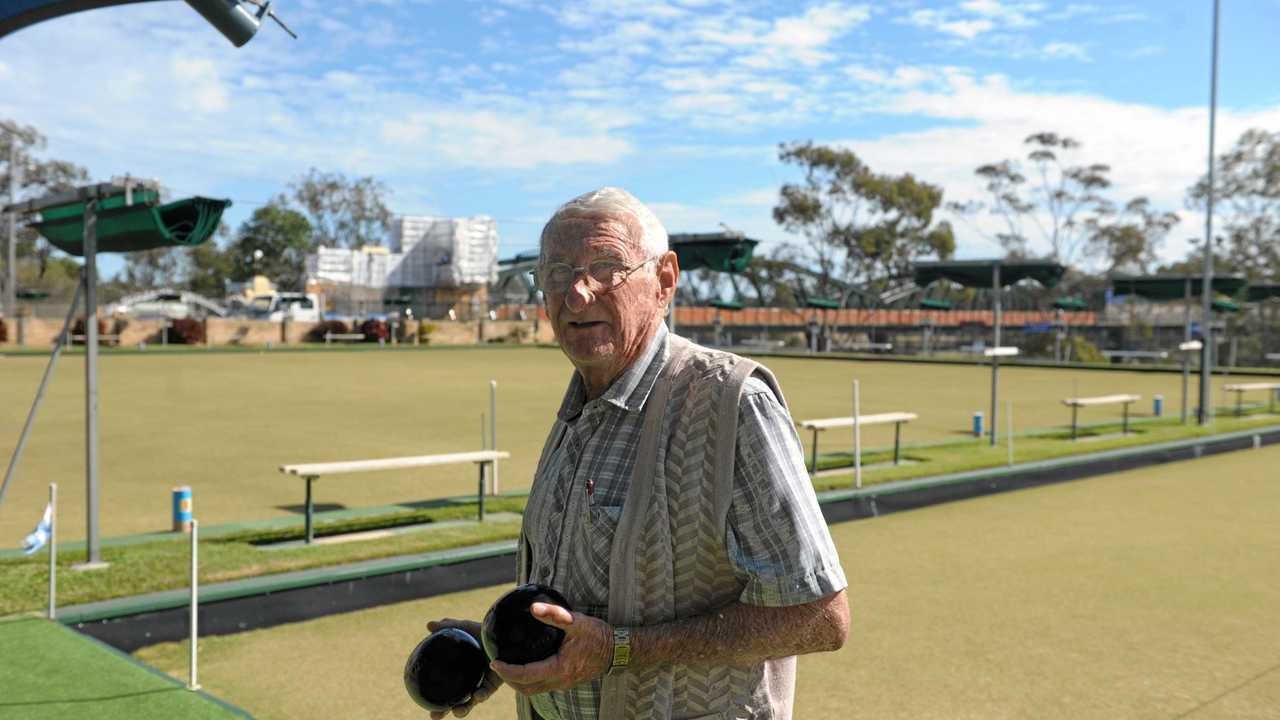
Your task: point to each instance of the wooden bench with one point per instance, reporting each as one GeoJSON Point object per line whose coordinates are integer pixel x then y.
{"type": "Point", "coordinates": [1077, 403]}
{"type": "Point", "coordinates": [1241, 388]}
{"type": "Point", "coordinates": [313, 471]}
{"type": "Point", "coordinates": [351, 337]}
{"type": "Point", "coordinates": [897, 418]}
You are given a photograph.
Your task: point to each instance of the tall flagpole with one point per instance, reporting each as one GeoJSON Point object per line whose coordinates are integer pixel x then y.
{"type": "Point", "coordinates": [1206, 288]}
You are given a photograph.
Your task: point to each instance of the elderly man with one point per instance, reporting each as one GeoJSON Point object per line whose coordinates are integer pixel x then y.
{"type": "Point", "coordinates": [671, 505]}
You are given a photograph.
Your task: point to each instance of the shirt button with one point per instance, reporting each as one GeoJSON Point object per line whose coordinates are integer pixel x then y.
{"type": "Point", "coordinates": [544, 574]}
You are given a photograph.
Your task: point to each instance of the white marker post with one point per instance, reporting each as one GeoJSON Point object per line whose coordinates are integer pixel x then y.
{"type": "Point", "coordinates": [857, 436]}
{"type": "Point", "coordinates": [493, 433]}
{"type": "Point", "coordinates": [53, 551]}
{"type": "Point", "coordinates": [193, 684]}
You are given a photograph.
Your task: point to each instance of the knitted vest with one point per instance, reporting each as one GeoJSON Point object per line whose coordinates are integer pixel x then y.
{"type": "Point", "coordinates": [669, 557]}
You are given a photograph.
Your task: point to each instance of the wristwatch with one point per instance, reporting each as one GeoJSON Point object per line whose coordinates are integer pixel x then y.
{"type": "Point", "coordinates": [621, 650]}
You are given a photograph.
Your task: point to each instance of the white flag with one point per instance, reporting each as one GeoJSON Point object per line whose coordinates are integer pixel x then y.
{"type": "Point", "coordinates": [40, 535]}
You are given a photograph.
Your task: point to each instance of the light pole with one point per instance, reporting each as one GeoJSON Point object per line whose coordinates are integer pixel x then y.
{"type": "Point", "coordinates": [1206, 288]}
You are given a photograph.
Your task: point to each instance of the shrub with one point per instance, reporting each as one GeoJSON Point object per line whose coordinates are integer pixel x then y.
{"type": "Point", "coordinates": [320, 329]}
{"type": "Point", "coordinates": [375, 330]}
{"type": "Point", "coordinates": [186, 331]}
{"type": "Point", "coordinates": [77, 328]}
{"type": "Point", "coordinates": [424, 331]}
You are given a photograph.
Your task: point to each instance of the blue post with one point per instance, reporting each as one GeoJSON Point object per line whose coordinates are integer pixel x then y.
{"type": "Point", "coordinates": [182, 509]}
{"type": "Point", "coordinates": [977, 424]}
{"type": "Point", "coordinates": [1157, 405]}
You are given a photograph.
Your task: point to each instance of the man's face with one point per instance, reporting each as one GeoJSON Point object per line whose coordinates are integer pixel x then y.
{"type": "Point", "coordinates": [602, 334]}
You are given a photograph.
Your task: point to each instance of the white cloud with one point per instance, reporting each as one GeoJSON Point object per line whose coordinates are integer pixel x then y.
{"type": "Point", "coordinates": [1065, 51]}
{"type": "Point", "coordinates": [1154, 152]}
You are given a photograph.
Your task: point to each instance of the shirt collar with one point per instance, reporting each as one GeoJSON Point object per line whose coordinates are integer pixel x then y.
{"type": "Point", "coordinates": [630, 389]}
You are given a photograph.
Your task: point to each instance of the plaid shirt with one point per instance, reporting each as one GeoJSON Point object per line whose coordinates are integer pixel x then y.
{"type": "Point", "coordinates": [778, 542]}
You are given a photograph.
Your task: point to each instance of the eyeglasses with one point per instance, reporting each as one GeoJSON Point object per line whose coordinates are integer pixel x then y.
{"type": "Point", "coordinates": [603, 276]}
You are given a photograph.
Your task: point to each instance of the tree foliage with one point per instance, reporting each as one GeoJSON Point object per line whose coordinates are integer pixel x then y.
{"type": "Point", "coordinates": [863, 226]}
{"type": "Point", "coordinates": [342, 212]}
{"type": "Point", "coordinates": [1247, 204]}
{"type": "Point", "coordinates": [274, 242]}
{"type": "Point", "coordinates": [35, 176]}
{"type": "Point", "coordinates": [1052, 201]}
{"type": "Point", "coordinates": [1128, 239]}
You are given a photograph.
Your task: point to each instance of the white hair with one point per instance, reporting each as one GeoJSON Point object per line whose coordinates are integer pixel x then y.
{"type": "Point", "coordinates": [612, 201]}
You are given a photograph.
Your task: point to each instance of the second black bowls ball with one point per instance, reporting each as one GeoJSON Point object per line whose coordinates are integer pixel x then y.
{"type": "Point", "coordinates": [512, 634]}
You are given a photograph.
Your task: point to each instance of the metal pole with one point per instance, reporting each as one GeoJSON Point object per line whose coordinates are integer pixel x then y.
{"type": "Point", "coordinates": [1009, 414]}
{"type": "Point", "coordinates": [995, 359]}
{"type": "Point", "coordinates": [1206, 288]}
{"type": "Point", "coordinates": [10, 286]}
{"type": "Point", "coordinates": [193, 684]}
{"type": "Point", "coordinates": [93, 544]}
{"type": "Point", "coordinates": [53, 550]}
{"type": "Point", "coordinates": [857, 436]}
{"type": "Point", "coordinates": [1186, 337]}
{"type": "Point", "coordinates": [310, 509]}
{"type": "Point", "coordinates": [493, 433]}
{"type": "Point", "coordinates": [60, 343]}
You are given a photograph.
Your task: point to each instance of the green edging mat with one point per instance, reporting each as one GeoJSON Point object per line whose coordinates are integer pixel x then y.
{"type": "Point", "coordinates": [151, 602]}
{"type": "Point", "coordinates": [50, 671]}
{"type": "Point", "coordinates": [265, 584]}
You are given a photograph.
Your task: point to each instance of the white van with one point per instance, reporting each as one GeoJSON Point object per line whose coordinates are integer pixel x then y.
{"type": "Point", "coordinates": [296, 306]}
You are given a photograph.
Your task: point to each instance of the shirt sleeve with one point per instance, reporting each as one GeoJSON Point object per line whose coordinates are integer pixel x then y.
{"type": "Point", "coordinates": [777, 539]}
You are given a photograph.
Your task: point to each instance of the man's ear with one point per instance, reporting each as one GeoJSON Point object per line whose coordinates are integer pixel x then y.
{"type": "Point", "coordinates": [668, 276]}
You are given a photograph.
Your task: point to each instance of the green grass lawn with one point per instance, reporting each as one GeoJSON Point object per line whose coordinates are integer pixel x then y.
{"type": "Point", "coordinates": [223, 422]}
{"type": "Point", "coordinates": [50, 672]}
{"type": "Point", "coordinates": [1144, 594]}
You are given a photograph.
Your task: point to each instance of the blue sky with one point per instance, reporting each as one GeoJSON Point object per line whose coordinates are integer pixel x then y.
{"type": "Point", "coordinates": [509, 107]}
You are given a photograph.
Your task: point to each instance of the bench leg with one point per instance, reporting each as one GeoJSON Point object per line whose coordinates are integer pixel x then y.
{"type": "Point", "coordinates": [1124, 425]}
{"type": "Point", "coordinates": [480, 490]}
{"type": "Point", "coordinates": [310, 507]}
{"type": "Point", "coordinates": [897, 442]}
{"type": "Point", "coordinates": [1239, 409]}
{"type": "Point", "coordinates": [814, 466]}
{"type": "Point", "coordinates": [1075, 409]}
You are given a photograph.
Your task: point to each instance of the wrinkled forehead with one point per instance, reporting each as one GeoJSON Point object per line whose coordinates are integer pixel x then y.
{"type": "Point", "coordinates": [575, 235]}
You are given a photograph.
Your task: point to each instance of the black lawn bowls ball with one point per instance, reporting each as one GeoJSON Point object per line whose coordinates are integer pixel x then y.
{"type": "Point", "coordinates": [512, 634]}
{"type": "Point", "coordinates": [445, 669]}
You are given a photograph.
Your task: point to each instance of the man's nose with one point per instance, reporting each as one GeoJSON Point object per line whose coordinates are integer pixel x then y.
{"type": "Point", "coordinates": [579, 294]}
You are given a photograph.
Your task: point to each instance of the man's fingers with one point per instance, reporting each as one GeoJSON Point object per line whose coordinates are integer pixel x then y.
{"type": "Point", "coordinates": [552, 614]}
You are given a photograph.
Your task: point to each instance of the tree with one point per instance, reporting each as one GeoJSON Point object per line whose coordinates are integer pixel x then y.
{"type": "Point", "coordinates": [870, 226]}
{"type": "Point", "coordinates": [35, 176]}
{"type": "Point", "coordinates": [151, 269]}
{"type": "Point", "coordinates": [1128, 239]}
{"type": "Point", "coordinates": [342, 212]}
{"type": "Point", "coordinates": [274, 242]}
{"type": "Point", "coordinates": [209, 267]}
{"type": "Point", "coordinates": [1248, 218]}
{"type": "Point", "coordinates": [1056, 207]}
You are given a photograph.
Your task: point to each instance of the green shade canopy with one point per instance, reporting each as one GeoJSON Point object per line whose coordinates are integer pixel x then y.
{"type": "Point", "coordinates": [1070, 303]}
{"type": "Point", "coordinates": [141, 226]}
{"type": "Point", "coordinates": [724, 252]}
{"type": "Point", "coordinates": [1225, 306]}
{"type": "Point", "coordinates": [820, 304]}
{"type": "Point", "coordinates": [981, 273]}
{"type": "Point", "coordinates": [1173, 287]}
{"type": "Point", "coordinates": [726, 305]}
{"type": "Point", "coordinates": [931, 304]}
{"type": "Point", "coordinates": [1263, 291]}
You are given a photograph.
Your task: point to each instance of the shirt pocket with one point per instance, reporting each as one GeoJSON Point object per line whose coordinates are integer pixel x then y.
{"type": "Point", "coordinates": [598, 530]}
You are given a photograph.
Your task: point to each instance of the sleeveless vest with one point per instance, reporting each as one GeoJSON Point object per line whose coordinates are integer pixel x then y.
{"type": "Point", "coordinates": [669, 557]}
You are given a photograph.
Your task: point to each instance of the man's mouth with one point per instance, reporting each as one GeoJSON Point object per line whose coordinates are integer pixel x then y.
{"type": "Point", "coordinates": [585, 324]}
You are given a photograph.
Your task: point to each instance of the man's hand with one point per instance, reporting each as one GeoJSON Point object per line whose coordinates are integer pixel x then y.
{"type": "Point", "coordinates": [585, 653]}
{"type": "Point", "coordinates": [491, 681]}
